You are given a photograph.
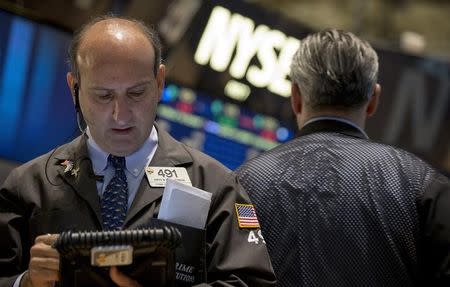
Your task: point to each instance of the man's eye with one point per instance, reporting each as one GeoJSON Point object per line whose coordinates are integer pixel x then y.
{"type": "Point", "coordinates": [104, 97]}
{"type": "Point", "coordinates": [136, 94]}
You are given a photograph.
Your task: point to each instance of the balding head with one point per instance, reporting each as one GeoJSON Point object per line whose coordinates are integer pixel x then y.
{"type": "Point", "coordinates": [116, 82]}
{"type": "Point", "coordinates": [114, 33]}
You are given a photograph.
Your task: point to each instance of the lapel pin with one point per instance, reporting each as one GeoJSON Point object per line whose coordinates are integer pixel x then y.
{"type": "Point", "coordinates": [75, 171]}
{"type": "Point", "coordinates": [68, 164]}
{"type": "Point", "coordinates": [70, 168]}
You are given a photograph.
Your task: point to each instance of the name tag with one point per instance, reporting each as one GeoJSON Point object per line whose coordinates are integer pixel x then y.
{"type": "Point", "coordinates": [158, 175]}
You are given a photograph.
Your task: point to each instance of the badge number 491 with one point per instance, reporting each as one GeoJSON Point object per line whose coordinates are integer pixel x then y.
{"type": "Point", "coordinates": [255, 237]}
{"type": "Point", "coordinates": [168, 173]}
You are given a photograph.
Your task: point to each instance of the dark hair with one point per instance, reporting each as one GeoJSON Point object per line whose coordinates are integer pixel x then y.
{"type": "Point", "coordinates": [334, 68]}
{"type": "Point", "coordinates": [78, 37]}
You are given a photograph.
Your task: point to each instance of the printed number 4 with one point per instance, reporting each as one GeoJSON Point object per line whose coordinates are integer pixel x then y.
{"type": "Point", "coordinates": [252, 238]}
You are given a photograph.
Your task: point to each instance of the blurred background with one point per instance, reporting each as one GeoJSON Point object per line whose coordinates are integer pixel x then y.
{"type": "Point", "coordinates": [227, 89]}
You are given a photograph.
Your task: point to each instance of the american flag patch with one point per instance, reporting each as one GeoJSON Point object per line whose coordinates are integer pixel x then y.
{"type": "Point", "coordinates": [246, 216]}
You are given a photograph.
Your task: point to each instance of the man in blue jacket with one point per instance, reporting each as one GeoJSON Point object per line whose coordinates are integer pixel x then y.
{"type": "Point", "coordinates": [337, 209]}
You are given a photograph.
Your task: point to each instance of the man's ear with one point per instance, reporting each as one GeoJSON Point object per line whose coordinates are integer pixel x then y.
{"type": "Point", "coordinates": [296, 99]}
{"type": "Point", "coordinates": [160, 78]}
{"type": "Point", "coordinates": [71, 84]}
{"type": "Point", "coordinates": [373, 102]}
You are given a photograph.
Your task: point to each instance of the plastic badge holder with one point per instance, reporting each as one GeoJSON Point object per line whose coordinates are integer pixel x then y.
{"type": "Point", "coordinates": [146, 255]}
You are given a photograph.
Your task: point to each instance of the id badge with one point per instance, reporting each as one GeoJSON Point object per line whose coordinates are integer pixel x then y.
{"type": "Point", "coordinates": [158, 175]}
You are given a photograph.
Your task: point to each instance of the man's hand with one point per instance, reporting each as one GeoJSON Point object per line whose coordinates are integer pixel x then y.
{"type": "Point", "coordinates": [121, 279]}
{"type": "Point", "coordinates": [43, 269]}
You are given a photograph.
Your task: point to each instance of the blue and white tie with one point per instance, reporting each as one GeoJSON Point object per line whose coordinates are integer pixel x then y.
{"type": "Point", "coordinates": [115, 197]}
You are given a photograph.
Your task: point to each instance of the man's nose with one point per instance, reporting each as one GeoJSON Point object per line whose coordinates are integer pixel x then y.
{"type": "Point", "coordinates": [122, 110]}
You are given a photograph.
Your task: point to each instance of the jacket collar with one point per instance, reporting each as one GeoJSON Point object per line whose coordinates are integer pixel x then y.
{"type": "Point", "coordinates": [169, 153]}
{"type": "Point", "coordinates": [79, 175]}
{"type": "Point", "coordinates": [331, 126]}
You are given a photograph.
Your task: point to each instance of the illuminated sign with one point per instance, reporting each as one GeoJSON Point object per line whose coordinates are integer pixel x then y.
{"type": "Point", "coordinates": [226, 33]}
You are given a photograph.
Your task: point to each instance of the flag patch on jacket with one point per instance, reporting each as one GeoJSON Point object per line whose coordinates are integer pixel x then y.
{"type": "Point", "coordinates": [246, 216]}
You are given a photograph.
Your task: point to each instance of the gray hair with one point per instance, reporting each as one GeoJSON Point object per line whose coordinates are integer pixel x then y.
{"type": "Point", "coordinates": [79, 35]}
{"type": "Point", "coordinates": [334, 68]}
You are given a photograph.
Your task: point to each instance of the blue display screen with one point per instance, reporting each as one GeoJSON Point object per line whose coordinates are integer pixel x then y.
{"type": "Point", "coordinates": [221, 129]}
{"type": "Point", "coordinates": [37, 112]}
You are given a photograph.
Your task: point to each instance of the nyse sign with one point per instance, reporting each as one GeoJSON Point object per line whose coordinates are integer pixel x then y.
{"type": "Point", "coordinates": [231, 41]}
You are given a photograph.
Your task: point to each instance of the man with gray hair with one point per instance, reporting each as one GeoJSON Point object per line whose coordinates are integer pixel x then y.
{"type": "Point", "coordinates": [335, 208]}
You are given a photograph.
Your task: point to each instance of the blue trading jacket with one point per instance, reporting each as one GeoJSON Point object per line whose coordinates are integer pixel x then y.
{"type": "Point", "coordinates": [337, 209]}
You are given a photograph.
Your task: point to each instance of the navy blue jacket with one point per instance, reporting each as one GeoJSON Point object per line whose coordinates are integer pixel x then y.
{"type": "Point", "coordinates": [337, 209]}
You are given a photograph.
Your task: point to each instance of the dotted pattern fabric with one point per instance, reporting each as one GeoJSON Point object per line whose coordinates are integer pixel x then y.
{"type": "Point", "coordinates": [337, 210]}
{"type": "Point", "coordinates": [115, 197]}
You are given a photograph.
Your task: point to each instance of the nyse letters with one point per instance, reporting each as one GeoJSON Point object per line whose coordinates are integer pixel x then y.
{"type": "Point", "coordinates": [227, 33]}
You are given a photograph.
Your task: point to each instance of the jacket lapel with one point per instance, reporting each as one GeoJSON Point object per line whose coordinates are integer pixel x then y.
{"type": "Point", "coordinates": [169, 153]}
{"type": "Point", "coordinates": [80, 176]}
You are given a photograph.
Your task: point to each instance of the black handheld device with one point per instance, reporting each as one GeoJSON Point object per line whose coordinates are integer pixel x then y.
{"type": "Point", "coordinates": [146, 255]}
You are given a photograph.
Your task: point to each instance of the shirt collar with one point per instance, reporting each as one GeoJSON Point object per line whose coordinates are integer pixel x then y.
{"type": "Point", "coordinates": [339, 119]}
{"type": "Point", "coordinates": [135, 162]}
